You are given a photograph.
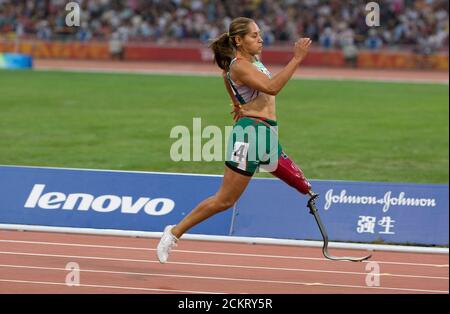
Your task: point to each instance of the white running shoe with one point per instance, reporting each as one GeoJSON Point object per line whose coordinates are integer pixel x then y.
{"type": "Point", "coordinates": [167, 242]}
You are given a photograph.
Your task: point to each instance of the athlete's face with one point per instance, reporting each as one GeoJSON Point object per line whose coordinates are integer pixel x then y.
{"type": "Point", "coordinates": [252, 41]}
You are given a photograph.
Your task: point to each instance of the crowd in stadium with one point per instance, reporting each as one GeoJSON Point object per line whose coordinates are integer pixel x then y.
{"type": "Point", "coordinates": [419, 24]}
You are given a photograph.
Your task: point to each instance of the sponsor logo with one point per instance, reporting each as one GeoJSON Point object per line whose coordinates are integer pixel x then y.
{"type": "Point", "coordinates": [101, 204]}
{"type": "Point", "coordinates": [387, 200]}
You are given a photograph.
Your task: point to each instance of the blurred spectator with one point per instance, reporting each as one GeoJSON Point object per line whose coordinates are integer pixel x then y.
{"type": "Point", "coordinates": [116, 46]}
{"type": "Point", "coordinates": [84, 34]}
{"type": "Point", "coordinates": [43, 30]}
{"type": "Point", "coordinates": [373, 42]}
{"type": "Point", "coordinates": [328, 38]}
{"type": "Point", "coordinates": [419, 24]}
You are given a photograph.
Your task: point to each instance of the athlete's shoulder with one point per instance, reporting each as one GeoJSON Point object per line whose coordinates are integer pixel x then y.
{"type": "Point", "coordinates": [240, 65]}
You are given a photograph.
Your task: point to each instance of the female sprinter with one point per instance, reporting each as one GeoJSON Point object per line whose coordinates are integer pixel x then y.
{"type": "Point", "coordinates": [252, 89]}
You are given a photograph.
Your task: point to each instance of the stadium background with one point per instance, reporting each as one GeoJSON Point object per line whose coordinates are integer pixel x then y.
{"type": "Point", "coordinates": [367, 108]}
{"type": "Point", "coordinates": [380, 131]}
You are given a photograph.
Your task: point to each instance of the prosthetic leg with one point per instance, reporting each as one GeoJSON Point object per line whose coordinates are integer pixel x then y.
{"type": "Point", "coordinates": [290, 173]}
{"type": "Point", "coordinates": [313, 211]}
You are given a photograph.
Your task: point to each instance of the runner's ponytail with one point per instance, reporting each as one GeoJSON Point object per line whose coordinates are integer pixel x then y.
{"type": "Point", "coordinates": [223, 50]}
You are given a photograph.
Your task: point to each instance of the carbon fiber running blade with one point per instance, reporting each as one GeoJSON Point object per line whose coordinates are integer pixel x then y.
{"type": "Point", "coordinates": [346, 258]}
{"type": "Point", "coordinates": [313, 211]}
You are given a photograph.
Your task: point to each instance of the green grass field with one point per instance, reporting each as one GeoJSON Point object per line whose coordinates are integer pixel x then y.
{"type": "Point", "coordinates": [363, 131]}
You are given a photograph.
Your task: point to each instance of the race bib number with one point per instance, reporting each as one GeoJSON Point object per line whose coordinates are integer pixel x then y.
{"type": "Point", "coordinates": [239, 155]}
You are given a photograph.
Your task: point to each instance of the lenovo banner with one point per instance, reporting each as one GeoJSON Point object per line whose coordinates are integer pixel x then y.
{"type": "Point", "coordinates": [142, 201]}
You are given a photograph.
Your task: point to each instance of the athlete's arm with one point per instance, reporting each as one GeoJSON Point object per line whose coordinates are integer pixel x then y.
{"type": "Point", "coordinates": [228, 87]}
{"type": "Point", "coordinates": [236, 105]}
{"type": "Point", "coordinates": [245, 72]}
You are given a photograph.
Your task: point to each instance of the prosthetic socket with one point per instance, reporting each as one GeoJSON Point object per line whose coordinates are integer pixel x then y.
{"type": "Point", "coordinates": [290, 173]}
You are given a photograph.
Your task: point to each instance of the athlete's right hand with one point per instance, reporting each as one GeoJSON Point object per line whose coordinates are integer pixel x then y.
{"type": "Point", "coordinates": [301, 48]}
{"type": "Point", "coordinates": [236, 111]}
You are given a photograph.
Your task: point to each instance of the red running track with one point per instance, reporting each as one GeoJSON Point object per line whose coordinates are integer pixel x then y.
{"type": "Point", "coordinates": [38, 262]}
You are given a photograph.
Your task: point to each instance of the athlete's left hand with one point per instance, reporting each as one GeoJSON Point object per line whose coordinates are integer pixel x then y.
{"type": "Point", "coordinates": [236, 111]}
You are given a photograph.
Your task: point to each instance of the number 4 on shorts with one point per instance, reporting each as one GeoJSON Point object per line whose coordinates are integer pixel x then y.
{"type": "Point", "coordinates": [240, 151]}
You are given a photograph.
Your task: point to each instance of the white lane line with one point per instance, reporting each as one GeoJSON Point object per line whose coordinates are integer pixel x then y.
{"type": "Point", "coordinates": [107, 287]}
{"type": "Point", "coordinates": [217, 265]}
{"type": "Point", "coordinates": [214, 253]}
{"type": "Point", "coordinates": [231, 279]}
{"type": "Point", "coordinates": [243, 279]}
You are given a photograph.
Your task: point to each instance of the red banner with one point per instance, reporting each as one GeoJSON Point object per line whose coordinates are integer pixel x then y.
{"type": "Point", "coordinates": [201, 53]}
{"type": "Point", "coordinates": [140, 52]}
{"type": "Point", "coordinates": [58, 50]}
{"type": "Point", "coordinates": [332, 58]}
{"type": "Point", "coordinates": [402, 60]}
